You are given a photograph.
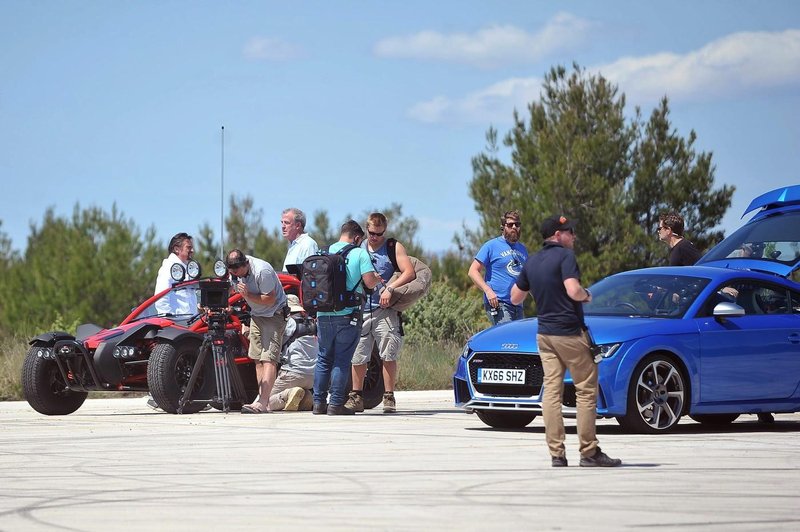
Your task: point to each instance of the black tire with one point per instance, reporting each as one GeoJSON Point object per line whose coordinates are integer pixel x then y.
{"type": "Point", "coordinates": [373, 381]}
{"type": "Point", "coordinates": [715, 419]}
{"type": "Point", "coordinates": [168, 373]}
{"type": "Point", "coordinates": [657, 396]}
{"type": "Point", "coordinates": [501, 419]}
{"type": "Point", "coordinates": [45, 389]}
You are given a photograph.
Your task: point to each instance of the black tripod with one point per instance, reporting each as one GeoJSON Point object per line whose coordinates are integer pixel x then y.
{"type": "Point", "coordinates": [226, 375]}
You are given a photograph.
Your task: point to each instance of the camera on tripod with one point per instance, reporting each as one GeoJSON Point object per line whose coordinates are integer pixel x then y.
{"type": "Point", "coordinates": [214, 294]}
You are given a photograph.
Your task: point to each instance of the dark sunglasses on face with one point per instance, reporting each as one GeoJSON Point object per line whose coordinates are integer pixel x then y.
{"type": "Point", "coordinates": [513, 224]}
{"type": "Point", "coordinates": [376, 234]}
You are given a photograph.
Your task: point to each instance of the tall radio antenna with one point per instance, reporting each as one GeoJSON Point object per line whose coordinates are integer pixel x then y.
{"type": "Point", "coordinates": [222, 196]}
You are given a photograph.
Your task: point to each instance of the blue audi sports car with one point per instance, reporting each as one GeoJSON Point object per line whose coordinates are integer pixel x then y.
{"type": "Point", "coordinates": [712, 341]}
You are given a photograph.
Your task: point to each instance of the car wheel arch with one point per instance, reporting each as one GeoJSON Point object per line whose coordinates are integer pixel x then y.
{"type": "Point", "coordinates": [656, 398]}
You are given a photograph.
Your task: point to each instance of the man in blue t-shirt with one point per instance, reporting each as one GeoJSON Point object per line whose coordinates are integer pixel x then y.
{"type": "Point", "coordinates": [553, 276]}
{"type": "Point", "coordinates": [495, 268]}
{"type": "Point", "coordinates": [339, 331]}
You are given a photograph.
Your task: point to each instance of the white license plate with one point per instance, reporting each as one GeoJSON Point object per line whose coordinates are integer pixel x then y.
{"type": "Point", "coordinates": [501, 376]}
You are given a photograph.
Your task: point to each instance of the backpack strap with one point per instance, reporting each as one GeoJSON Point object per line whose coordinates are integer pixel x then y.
{"type": "Point", "coordinates": [391, 243]}
{"type": "Point", "coordinates": [344, 252]}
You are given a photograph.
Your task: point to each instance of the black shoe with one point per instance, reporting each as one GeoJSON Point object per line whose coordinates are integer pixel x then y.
{"type": "Point", "coordinates": [339, 410]}
{"type": "Point", "coordinates": [600, 459]}
{"type": "Point", "coordinates": [320, 408]}
{"type": "Point", "coordinates": [766, 417]}
{"type": "Point", "coordinates": [559, 461]}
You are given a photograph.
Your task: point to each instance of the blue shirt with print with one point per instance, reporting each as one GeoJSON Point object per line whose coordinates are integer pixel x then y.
{"type": "Point", "coordinates": [502, 263]}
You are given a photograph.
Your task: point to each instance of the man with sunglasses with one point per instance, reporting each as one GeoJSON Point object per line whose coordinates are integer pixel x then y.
{"type": "Point", "coordinates": [381, 323]}
{"type": "Point", "coordinates": [496, 267]}
{"type": "Point", "coordinates": [670, 230]}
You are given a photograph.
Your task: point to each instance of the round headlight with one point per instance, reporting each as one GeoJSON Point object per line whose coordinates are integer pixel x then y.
{"type": "Point", "coordinates": [193, 269]}
{"type": "Point", "coordinates": [177, 272]}
{"type": "Point", "coordinates": [220, 270]}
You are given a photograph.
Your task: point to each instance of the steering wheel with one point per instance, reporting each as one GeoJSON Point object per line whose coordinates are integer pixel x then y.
{"type": "Point", "coordinates": [625, 304]}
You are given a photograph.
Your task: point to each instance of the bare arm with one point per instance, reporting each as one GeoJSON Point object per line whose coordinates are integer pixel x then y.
{"type": "Point", "coordinates": [407, 274]}
{"type": "Point", "coordinates": [371, 279]}
{"type": "Point", "coordinates": [576, 292]}
{"type": "Point", "coordinates": [476, 274]}
{"type": "Point", "coordinates": [518, 295]}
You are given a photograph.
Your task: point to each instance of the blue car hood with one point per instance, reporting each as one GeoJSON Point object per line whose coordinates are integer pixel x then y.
{"type": "Point", "coordinates": [521, 335]}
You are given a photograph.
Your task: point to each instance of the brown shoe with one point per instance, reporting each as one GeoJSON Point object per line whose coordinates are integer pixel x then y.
{"type": "Point", "coordinates": [355, 402]}
{"type": "Point", "coordinates": [389, 405]}
{"type": "Point", "coordinates": [308, 401]}
{"type": "Point", "coordinates": [293, 398]}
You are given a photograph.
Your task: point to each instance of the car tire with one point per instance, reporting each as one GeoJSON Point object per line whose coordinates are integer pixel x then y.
{"type": "Point", "coordinates": [168, 373]}
{"type": "Point", "coordinates": [657, 396]}
{"type": "Point", "coordinates": [715, 419]}
{"type": "Point", "coordinates": [372, 392]}
{"type": "Point", "coordinates": [373, 381]}
{"type": "Point", "coordinates": [44, 387]}
{"type": "Point", "coordinates": [500, 419]}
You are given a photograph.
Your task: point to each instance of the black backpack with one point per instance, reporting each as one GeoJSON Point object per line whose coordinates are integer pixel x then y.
{"type": "Point", "coordinates": [324, 282]}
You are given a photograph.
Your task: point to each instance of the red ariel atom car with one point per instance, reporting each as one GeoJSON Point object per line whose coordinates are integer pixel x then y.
{"type": "Point", "coordinates": [149, 351]}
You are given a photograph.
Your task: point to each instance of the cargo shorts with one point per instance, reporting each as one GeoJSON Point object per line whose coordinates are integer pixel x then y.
{"type": "Point", "coordinates": [382, 325]}
{"type": "Point", "coordinates": [266, 337]}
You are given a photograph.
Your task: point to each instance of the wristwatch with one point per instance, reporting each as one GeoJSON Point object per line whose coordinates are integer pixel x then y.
{"type": "Point", "coordinates": [390, 289]}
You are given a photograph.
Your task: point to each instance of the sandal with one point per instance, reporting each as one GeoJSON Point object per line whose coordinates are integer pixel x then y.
{"type": "Point", "coordinates": [247, 409]}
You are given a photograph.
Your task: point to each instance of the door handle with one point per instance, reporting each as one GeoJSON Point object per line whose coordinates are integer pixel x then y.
{"type": "Point", "coordinates": [794, 338]}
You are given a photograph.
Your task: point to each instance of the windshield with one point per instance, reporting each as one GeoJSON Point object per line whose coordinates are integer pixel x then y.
{"type": "Point", "coordinates": [646, 295]}
{"type": "Point", "coordinates": [180, 302]}
{"type": "Point", "coordinates": [775, 238]}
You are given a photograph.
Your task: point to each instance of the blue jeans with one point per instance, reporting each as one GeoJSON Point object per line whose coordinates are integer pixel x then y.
{"type": "Point", "coordinates": [337, 343]}
{"type": "Point", "coordinates": [505, 312]}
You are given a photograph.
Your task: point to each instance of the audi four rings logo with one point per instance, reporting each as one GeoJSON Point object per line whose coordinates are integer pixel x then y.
{"type": "Point", "coordinates": [509, 346]}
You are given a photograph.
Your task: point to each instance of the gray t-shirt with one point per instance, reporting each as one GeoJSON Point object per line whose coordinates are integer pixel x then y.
{"type": "Point", "coordinates": [300, 354]}
{"type": "Point", "coordinates": [262, 279]}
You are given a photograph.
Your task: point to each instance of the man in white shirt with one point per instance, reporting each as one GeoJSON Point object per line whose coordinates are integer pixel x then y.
{"type": "Point", "coordinates": [293, 225]}
{"type": "Point", "coordinates": [180, 251]}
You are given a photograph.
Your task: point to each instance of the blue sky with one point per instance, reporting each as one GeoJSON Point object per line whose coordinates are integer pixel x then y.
{"type": "Point", "coordinates": [348, 106]}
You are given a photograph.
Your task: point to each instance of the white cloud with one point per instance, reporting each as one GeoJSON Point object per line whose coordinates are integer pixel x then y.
{"type": "Point", "coordinates": [492, 46]}
{"type": "Point", "coordinates": [725, 68]}
{"type": "Point", "coordinates": [729, 66]}
{"type": "Point", "coordinates": [270, 49]}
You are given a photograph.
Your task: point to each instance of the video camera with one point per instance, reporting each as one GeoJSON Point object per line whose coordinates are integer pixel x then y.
{"type": "Point", "coordinates": [214, 294]}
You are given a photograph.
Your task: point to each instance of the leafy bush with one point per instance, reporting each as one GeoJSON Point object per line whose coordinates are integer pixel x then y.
{"type": "Point", "coordinates": [444, 315]}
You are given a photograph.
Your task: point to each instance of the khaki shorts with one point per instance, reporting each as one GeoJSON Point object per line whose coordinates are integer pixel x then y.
{"type": "Point", "coordinates": [266, 337]}
{"type": "Point", "coordinates": [382, 325]}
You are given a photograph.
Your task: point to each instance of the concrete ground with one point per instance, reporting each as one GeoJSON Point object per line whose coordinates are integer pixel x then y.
{"type": "Point", "coordinates": [117, 465]}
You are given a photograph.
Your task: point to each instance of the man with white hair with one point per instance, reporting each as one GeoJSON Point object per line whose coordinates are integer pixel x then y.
{"type": "Point", "coordinates": [301, 245]}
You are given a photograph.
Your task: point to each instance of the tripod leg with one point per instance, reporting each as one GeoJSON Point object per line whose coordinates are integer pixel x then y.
{"type": "Point", "coordinates": [236, 379]}
{"type": "Point", "coordinates": [198, 365]}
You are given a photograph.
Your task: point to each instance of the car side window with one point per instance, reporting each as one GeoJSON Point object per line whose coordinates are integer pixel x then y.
{"type": "Point", "coordinates": [795, 302]}
{"type": "Point", "coordinates": [773, 300]}
{"type": "Point", "coordinates": [754, 297]}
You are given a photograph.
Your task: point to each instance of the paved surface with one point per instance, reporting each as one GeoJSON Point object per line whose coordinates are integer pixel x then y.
{"type": "Point", "coordinates": [116, 464]}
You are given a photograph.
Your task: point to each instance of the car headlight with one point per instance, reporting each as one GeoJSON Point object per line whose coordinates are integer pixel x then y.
{"type": "Point", "coordinates": [599, 352]}
{"type": "Point", "coordinates": [465, 352]}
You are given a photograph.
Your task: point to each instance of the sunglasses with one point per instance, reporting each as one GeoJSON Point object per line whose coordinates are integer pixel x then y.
{"type": "Point", "coordinates": [376, 234]}
{"type": "Point", "coordinates": [513, 224]}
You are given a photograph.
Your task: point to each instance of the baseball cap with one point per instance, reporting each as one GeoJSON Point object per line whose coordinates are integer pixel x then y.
{"type": "Point", "coordinates": [556, 223]}
{"type": "Point", "coordinates": [294, 303]}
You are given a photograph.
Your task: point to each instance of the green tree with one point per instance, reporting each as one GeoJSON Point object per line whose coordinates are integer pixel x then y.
{"type": "Point", "coordinates": [322, 232]}
{"type": "Point", "coordinates": [671, 176]}
{"type": "Point", "coordinates": [576, 154]}
{"type": "Point", "coordinates": [92, 267]}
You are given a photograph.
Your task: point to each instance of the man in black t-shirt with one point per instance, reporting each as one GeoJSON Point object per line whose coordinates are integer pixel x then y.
{"type": "Point", "coordinates": [553, 276]}
{"type": "Point", "coordinates": [681, 251]}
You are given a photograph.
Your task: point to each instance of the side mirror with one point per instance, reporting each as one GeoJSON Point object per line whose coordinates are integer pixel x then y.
{"type": "Point", "coordinates": [728, 310]}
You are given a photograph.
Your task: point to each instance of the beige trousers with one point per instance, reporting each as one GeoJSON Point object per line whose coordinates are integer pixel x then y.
{"type": "Point", "coordinates": [559, 353]}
